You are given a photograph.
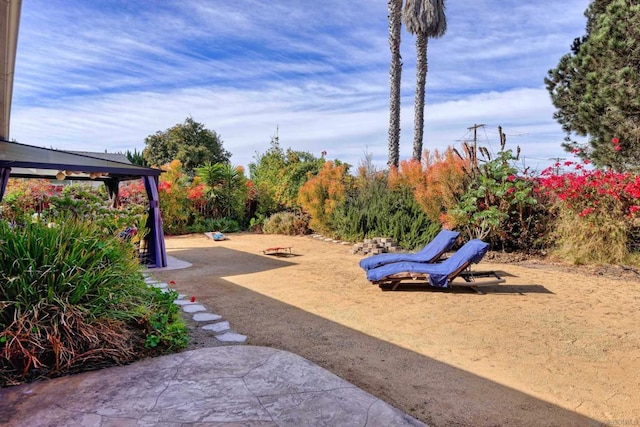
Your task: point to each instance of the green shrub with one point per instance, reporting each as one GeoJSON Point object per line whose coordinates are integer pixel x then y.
{"type": "Point", "coordinates": [287, 223]}
{"type": "Point", "coordinates": [73, 298]}
{"type": "Point", "coordinates": [277, 176]}
{"type": "Point", "coordinates": [499, 206]}
{"type": "Point", "coordinates": [595, 240]}
{"type": "Point", "coordinates": [374, 210]}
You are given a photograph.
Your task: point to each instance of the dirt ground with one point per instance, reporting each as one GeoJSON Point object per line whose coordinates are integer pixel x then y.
{"type": "Point", "coordinates": [554, 345]}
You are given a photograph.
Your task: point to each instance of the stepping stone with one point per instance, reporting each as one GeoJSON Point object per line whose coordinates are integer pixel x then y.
{"type": "Point", "coordinates": [206, 317]}
{"type": "Point", "coordinates": [180, 296]}
{"type": "Point", "coordinates": [183, 302]}
{"type": "Point", "coordinates": [150, 281]}
{"type": "Point", "coordinates": [193, 308]}
{"type": "Point", "coordinates": [160, 285]}
{"type": "Point", "coordinates": [217, 327]}
{"type": "Point", "coordinates": [231, 337]}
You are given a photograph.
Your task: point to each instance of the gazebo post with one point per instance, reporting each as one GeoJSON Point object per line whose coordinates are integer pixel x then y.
{"type": "Point", "coordinates": [4, 179]}
{"type": "Point", "coordinates": [154, 223]}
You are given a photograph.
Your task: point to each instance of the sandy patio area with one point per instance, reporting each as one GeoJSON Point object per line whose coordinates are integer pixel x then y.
{"type": "Point", "coordinates": [549, 347]}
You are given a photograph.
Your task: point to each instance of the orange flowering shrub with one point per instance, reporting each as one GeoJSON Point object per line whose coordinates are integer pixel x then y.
{"type": "Point", "coordinates": [320, 195]}
{"type": "Point", "coordinates": [437, 183]}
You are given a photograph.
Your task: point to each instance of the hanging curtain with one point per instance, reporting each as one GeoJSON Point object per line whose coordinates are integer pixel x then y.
{"type": "Point", "coordinates": [155, 239]}
{"type": "Point", "coordinates": [113, 188]}
{"type": "Point", "coordinates": [4, 178]}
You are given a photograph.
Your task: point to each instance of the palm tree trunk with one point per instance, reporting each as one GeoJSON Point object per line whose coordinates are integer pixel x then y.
{"type": "Point", "coordinates": [421, 79]}
{"type": "Point", "coordinates": [395, 77]}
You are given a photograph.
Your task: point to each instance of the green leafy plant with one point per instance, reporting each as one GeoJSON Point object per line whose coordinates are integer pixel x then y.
{"type": "Point", "coordinates": [73, 298]}
{"type": "Point", "coordinates": [224, 225]}
{"type": "Point", "coordinates": [499, 205]}
{"type": "Point", "coordinates": [174, 202]}
{"type": "Point", "coordinates": [277, 176]}
{"type": "Point", "coordinates": [226, 188]}
{"type": "Point", "coordinates": [165, 327]}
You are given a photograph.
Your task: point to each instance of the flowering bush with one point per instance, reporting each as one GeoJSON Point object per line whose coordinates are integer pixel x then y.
{"type": "Point", "coordinates": [133, 192]}
{"type": "Point", "coordinates": [320, 195]}
{"type": "Point", "coordinates": [174, 205]}
{"type": "Point", "coordinates": [598, 212]}
{"type": "Point", "coordinates": [437, 183]}
{"type": "Point", "coordinates": [25, 197]}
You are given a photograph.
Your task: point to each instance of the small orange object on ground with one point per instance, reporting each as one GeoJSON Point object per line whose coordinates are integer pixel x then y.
{"type": "Point", "coordinates": [278, 251]}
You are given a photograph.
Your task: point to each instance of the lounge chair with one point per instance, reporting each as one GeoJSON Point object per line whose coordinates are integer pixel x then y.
{"type": "Point", "coordinates": [440, 274]}
{"type": "Point", "coordinates": [443, 241]}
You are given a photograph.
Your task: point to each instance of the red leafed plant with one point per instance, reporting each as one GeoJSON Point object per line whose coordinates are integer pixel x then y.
{"type": "Point", "coordinates": [598, 212]}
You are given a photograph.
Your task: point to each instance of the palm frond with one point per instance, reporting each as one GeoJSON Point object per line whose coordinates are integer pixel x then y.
{"type": "Point", "coordinates": [426, 17]}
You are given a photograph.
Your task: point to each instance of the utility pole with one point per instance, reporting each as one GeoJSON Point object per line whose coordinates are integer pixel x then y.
{"type": "Point", "coordinates": [556, 165]}
{"type": "Point", "coordinates": [474, 154]}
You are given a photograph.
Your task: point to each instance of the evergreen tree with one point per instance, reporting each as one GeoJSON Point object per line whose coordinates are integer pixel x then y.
{"type": "Point", "coordinates": [596, 89]}
{"type": "Point", "coordinates": [135, 157]}
{"type": "Point", "coordinates": [190, 142]}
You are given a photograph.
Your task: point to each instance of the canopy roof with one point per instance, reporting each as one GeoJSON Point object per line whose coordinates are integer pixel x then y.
{"type": "Point", "coordinates": [27, 161]}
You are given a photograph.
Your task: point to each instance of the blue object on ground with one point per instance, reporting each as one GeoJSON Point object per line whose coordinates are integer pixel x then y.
{"type": "Point", "coordinates": [443, 241]}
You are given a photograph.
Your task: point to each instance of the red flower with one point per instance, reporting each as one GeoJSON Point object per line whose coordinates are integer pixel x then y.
{"type": "Point", "coordinates": [511, 178]}
{"type": "Point", "coordinates": [634, 209]}
{"type": "Point", "coordinates": [165, 186]}
{"type": "Point", "coordinates": [585, 212]}
{"type": "Point", "coordinates": [193, 299]}
{"type": "Point", "coordinates": [617, 148]}
{"type": "Point", "coordinates": [615, 141]}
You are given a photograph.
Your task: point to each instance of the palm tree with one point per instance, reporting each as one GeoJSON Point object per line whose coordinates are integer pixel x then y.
{"type": "Point", "coordinates": [395, 76]}
{"type": "Point", "coordinates": [226, 187]}
{"type": "Point", "coordinates": [425, 19]}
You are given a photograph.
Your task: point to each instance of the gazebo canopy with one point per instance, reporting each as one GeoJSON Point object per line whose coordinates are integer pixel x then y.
{"type": "Point", "coordinates": [26, 161]}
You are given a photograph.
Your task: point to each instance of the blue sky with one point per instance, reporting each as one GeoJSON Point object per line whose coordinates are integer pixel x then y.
{"type": "Point", "coordinates": [102, 75]}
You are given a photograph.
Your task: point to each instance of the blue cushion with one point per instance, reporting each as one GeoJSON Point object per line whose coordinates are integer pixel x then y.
{"type": "Point", "coordinates": [472, 252]}
{"type": "Point", "coordinates": [440, 244]}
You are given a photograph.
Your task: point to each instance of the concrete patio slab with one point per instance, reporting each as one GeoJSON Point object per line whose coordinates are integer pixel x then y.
{"type": "Point", "coordinates": [239, 385]}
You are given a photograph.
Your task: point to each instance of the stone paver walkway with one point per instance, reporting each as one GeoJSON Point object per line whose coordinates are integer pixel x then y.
{"type": "Point", "coordinates": [221, 329]}
{"type": "Point", "coordinates": [230, 385]}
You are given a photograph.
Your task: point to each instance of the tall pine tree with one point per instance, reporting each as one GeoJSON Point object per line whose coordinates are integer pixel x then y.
{"type": "Point", "coordinates": [596, 89]}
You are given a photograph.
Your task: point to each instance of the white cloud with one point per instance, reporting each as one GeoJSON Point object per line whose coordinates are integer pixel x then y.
{"type": "Point", "coordinates": [104, 76]}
